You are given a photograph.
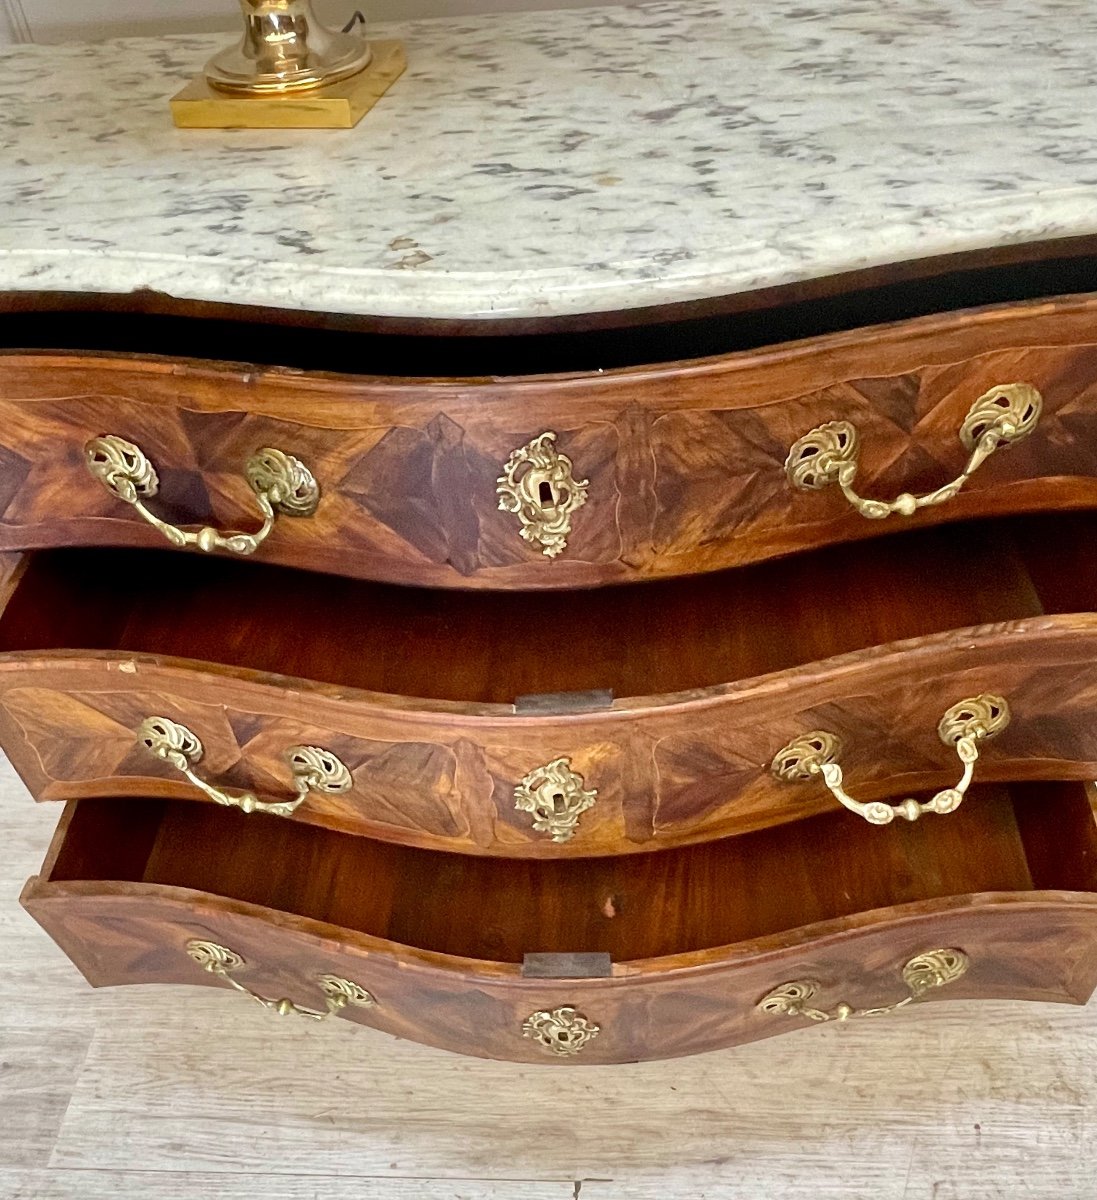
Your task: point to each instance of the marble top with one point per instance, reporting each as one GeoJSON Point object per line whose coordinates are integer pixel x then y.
{"type": "Point", "coordinates": [547, 163]}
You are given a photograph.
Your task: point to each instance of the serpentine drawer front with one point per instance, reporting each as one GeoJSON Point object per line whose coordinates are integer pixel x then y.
{"type": "Point", "coordinates": [573, 962]}
{"type": "Point", "coordinates": [562, 725]}
{"type": "Point", "coordinates": [558, 481]}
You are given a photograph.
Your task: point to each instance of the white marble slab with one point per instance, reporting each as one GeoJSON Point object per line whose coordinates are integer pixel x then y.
{"type": "Point", "coordinates": [565, 162]}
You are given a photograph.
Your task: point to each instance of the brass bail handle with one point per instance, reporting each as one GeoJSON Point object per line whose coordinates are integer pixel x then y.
{"type": "Point", "coordinates": [339, 993]}
{"type": "Point", "coordinates": [963, 727]}
{"type": "Point", "coordinates": [922, 974]}
{"type": "Point", "coordinates": [829, 453]}
{"type": "Point", "coordinates": [282, 485]}
{"type": "Point", "coordinates": [314, 769]}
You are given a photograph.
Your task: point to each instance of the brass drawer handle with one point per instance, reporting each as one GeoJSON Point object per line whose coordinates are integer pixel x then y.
{"type": "Point", "coordinates": [338, 993]}
{"type": "Point", "coordinates": [281, 483]}
{"type": "Point", "coordinates": [923, 973]}
{"type": "Point", "coordinates": [539, 487]}
{"type": "Point", "coordinates": [560, 1032]}
{"type": "Point", "coordinates": [314, 769]}
{"type": "Point", "coordinates": [963, 726]}
{"type": "Point", "coordinates": [829, 453]}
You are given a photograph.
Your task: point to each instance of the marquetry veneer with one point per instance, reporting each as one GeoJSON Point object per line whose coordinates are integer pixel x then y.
{"type": "Point", "coordinates": [493, 807]}
{"type": "Point", "coordinates": [683, 463]}
{"type": "Point", "coordinates": [668, 954]}
{"type": "Point", "coordinates": [670, 700]}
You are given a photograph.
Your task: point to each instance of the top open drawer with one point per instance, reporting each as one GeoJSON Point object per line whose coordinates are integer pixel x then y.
{"type": "Point", "coordinates": [557, 480]}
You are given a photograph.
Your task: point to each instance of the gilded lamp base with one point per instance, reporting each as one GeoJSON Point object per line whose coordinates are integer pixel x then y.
{"type": "Point", "coordinates": [339, 105]}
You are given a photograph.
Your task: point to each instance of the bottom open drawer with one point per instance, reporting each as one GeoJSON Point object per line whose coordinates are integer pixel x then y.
{"type": "Point", "coordinates": [585, 961]}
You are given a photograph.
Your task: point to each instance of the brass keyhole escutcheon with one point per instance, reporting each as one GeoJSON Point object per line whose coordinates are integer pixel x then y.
{"type": "Point", "coordinates": [539, 487]}
{"type": "Point", "coordinates": [556, 797]}
{"type": "Point", "coordinates": [561, 1032]}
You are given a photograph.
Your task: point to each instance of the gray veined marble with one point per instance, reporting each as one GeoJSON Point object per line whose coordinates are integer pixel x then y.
{"type": "Point", "coordinates": [564, 162]}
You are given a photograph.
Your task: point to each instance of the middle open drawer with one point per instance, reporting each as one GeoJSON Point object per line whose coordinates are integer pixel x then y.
{"type": "Point", "coordinates": [561, 724]}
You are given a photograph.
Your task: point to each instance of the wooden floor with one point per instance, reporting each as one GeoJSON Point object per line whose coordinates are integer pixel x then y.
{"type": "Point", "coordinates": [155, 1092]}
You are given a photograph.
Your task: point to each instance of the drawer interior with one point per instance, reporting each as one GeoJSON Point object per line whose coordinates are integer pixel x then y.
{"type": "Point", "coordinates": [491, 647]}
{"type": "Point", "coordinates": [1027, 837]}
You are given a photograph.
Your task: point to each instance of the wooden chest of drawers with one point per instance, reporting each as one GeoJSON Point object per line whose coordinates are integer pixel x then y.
{"type": "Point", "coordinates": [369, 741]}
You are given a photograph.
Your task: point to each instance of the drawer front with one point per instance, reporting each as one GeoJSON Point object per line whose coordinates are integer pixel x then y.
{"type": "Point", "coordinates": [549, 482]}
{"type": "Point", "coordinates": [638, 776]}
{"type": "Point", "coordinates": [1042, 946]}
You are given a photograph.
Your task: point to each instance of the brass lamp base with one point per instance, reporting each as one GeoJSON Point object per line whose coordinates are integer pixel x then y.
{"type": "Point", "coordinates": [339, 105]}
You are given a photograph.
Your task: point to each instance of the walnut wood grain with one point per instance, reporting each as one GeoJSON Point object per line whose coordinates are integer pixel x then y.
{"type": "Point", "coordinates": [665, 775]}
{"type": "Point", "coordinates": [685, 460]}
{"type": "Point", "coordinates": [846, 912]}
{"type": "Point", "coordinates": [406, 688]}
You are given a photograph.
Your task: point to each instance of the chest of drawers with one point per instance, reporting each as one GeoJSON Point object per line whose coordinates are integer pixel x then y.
{"type": "Point", "coordinates": [525, 819]}
{"type": "Point", "coordinates": [596, 682]}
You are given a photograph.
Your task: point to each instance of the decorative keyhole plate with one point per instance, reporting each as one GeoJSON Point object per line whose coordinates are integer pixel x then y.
{"type": "Point", "coordinates": [560, 1032]}
{"type": "Point", "coordinates": [556, 797]}
{"type": "Point", "coordinates": [538, 486]}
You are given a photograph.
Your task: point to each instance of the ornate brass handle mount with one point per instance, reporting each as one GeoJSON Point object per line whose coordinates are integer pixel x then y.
{"type": "Point", "coordinates": [338, 993]}
{"type": "Point", "coordinates": [281, 483]}
{"type": "Point", "coordinates": [829, 453]}
{"type": "Point", "coordinates": [313, 769]}
{"type": "Point", "coordinates": [923, 973]}
{"type": "Point", "coordinates": [963, 727]}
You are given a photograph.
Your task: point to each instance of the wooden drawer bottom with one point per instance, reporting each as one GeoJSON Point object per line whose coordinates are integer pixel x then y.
{"type": "Point", "coordinates": [598, 961]}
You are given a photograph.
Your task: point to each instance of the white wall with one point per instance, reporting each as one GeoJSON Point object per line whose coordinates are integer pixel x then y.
{"type": "Point", "coordinates": [59, 20]}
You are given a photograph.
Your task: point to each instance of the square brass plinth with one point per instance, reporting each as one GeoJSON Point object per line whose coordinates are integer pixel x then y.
{"type": "Point", "coordinates": [339, 106]}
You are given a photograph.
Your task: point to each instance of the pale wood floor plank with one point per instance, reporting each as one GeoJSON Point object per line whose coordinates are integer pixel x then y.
{"type": "Point", "coordinates": [140, 1185]}
{"type": "Point", "coordinates": [38, 1073]}
{"type": "Point", "coordinates": [162, 1092]}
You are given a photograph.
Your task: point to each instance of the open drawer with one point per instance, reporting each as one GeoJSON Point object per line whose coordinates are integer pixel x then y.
{"type": "Point", "coordinates": [554, 725]}
{"type": "Point", "coordinates": [609, 960]}
{"type": "Point", "coordinates": [446, 472]}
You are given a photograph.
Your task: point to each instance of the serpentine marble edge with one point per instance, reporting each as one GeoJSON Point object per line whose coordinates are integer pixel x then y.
{"type": "Point", "coordinates": [562, 162]}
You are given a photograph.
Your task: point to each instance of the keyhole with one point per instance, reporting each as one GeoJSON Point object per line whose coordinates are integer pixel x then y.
{"type": "Point", "coordinates": [545, 494]}
{"type": "Point", "coordinates": [558, 802]}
